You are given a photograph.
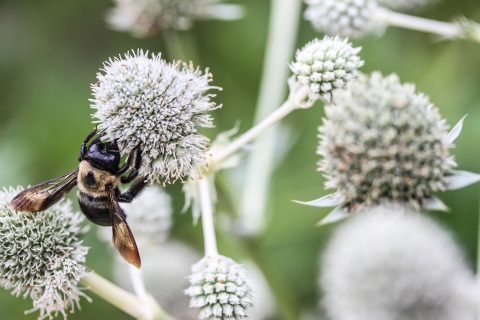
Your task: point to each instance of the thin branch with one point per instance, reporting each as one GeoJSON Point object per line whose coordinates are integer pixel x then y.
{"type": "Point", "coordinates": [206, 206]}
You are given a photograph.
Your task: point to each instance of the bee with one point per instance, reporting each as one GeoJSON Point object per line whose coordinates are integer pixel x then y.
{"type": "Point", "coordinates": [98, 177]}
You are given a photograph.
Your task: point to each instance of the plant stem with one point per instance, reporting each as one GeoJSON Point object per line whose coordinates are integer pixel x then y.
{"type": "Point", "coordinates": [288, 106]}
{"type": "Point", "coordinates": [137, 283]}
{"type": "Point", "coordinates": [284, 20]}
{"type": "Point", "coordinates": [123, 299]}
{"type": "Point", "coordinates": [449, 30]}
{"type": "Point", "coordinates": [208, 224]}
{"type": "Point", "coordinates": [180, 46]}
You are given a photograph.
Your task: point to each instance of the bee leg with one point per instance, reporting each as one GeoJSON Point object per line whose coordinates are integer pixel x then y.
{"type": "Point", "coordinates": [133, 154]}
{"type": "Point", "coordinates": [83, 147]}
{"type": "Point", "coordinates": [138, 162]}
{"type": "Point", "coordinates": [134, 191]}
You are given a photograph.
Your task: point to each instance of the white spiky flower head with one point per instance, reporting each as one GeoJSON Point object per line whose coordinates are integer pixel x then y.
{"type": "Point", "coordinates": [219, 287]}
{"type": "Point", "coordinates": [146, 17]}
{"type": "Point", "coordinates": [149, 218]}
{"type": "Point", "coordinates": [346, 18]}
{"type": "Point", "coordinates": [395, 264]}
{"type": "Point", "coordinates": [41, 255]}
{"type": "Point", "coordinates": [406, 5]}
{"type": "Point", "coordinates": [382, 142]}
{"type": "Point", "coordinates": [145, 101]}
{"type": "Point", "coordinates": [325, 65]}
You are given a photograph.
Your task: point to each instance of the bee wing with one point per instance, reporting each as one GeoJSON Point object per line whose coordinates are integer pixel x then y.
{"type": "Point", "coordinates": [43, 195]}
{"type": "Point", "coordinates": [122, 236]}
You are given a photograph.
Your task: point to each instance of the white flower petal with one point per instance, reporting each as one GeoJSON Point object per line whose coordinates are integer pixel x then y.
{"type": "Point", "coordinates": [457, 179]}
{"type": "Point", "coordinates": [450, 138]}
{"type": "Point", "coordinates": [339, 213]}
{"type": "Point", "coordinates": [330, 200]}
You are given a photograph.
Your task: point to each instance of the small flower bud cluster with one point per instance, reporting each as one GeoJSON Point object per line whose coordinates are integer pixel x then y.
{"type": "Point", "coordinates": [41, 255]}
{"type": "Point", "coordinates": [346, 18]}
{"type": "Point", "coordinates": [383, 142]}
{"type": "Point", "coordinates": [391, 263]}
{"type": "Point", "coordinates": [146, 102]}
{"type": "Point", "coordinates": [146, 17]}
{"type": "Point", "coordinates": [219, 287]}
{"type": "Point", "coordinates": [327, 64]}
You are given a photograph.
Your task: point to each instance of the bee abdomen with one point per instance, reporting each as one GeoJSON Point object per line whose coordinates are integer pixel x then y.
{"type": "Point", "coordinates": [96, 209]}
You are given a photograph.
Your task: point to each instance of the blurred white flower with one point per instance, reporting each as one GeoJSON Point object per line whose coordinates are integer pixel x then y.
{"type": "Point", "coordinates": [394, 264]}
{"type": "Point", "coordinates": [382, 142]}
{"type": "Point", "coordinates": [145, 17]}
{"type": "Point", "coordinates": [219, 287]}
{"type": "Point", "coordinates": [145, 101]}
{"type": "Point", "coordinates": [41, 255]}
{"type": "Point", "coordinates": [149, 217]}
{"type": "Point", "coordinates": [346, 18]}
{"type": "Point", "coordinates": [325, 65]}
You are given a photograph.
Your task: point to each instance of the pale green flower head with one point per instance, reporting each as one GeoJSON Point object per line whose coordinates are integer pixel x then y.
{"type": "Point", "coordinates": [382, 142]}
{"type": "Point", "coordinates": [145, 17]}
{"type": "Point", "coordinates": [219, 287]}
{"type": "Point", "coordinates": [346, 18]}
{"type": "Point", "coordinates": [325, 65]}
{"type": "Point", "coordinates": [41, 255]}
{"type": "Point", "coordinates": [142, 100]}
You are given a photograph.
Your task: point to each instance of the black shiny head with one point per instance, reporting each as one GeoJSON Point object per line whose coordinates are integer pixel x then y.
{"type": "Point", "coordinates": [104, 155]}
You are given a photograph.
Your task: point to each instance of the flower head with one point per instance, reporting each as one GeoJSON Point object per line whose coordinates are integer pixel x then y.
{"type": "Point", "coordinates": [145, 17]}
{"type": "Point", "coordinates": [219, 287]}
{"type": "Point", "coordinates": [145, 101]}
{"type": "Point", "coordinates": [327, 64]}
{"type": "Point", "coordinates": [41, 255]}
{"type": "Point", "coordinates": [346, 18]}
{"type": "Point", "coordinates": [396, 265]}
{"type": "Point", "coordinates": [382, 142]}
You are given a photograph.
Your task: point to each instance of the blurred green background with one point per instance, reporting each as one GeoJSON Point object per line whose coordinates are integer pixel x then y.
{"type": "Point", "coordinates": [50, 52]}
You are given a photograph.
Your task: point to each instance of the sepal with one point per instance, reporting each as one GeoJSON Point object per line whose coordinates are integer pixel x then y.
{"type": "Point", "coordinates": [457, 179]}
{"type": "Point", "coordinates": [330, 200]}
{"type": "Point", "coordinates": [450, 137]}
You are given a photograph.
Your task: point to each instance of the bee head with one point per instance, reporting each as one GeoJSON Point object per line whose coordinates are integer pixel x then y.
{"type": "Point", "coordinates": [105, 155]}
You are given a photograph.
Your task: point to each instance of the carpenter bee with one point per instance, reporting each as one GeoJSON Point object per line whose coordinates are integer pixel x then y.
{"type": "Point", "coordinates": [98, 177]}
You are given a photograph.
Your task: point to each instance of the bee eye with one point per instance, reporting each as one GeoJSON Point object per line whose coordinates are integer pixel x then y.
{"type": "Point", "coordinates": [90, 178]}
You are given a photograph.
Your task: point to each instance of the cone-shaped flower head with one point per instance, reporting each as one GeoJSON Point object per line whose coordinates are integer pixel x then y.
{"type": "Point", "coordinates": [41, 255]}
{"type": "Point", "coordinates": [346, 18]}
{"type": "Point", "coordinates": [396, 265]}
{"type": "Point", "coordinates": [149, 217]}
{"type": "Point", "coordinates": [219, 287]}
{"type": "Point", "coordinates": [383, 142]}
{"type": "Point", "coordinates": [325, 65]}
{"type": "Point", "coordinates": [406, 5]}
{"type": "Point", "coordinates": [145, 17]}
{"type": "Point", "coordinates": [145, 101]}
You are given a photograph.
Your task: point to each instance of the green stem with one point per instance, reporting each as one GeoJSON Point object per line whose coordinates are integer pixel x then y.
{"type": "Point", "coordinates": [288, 106]}
{"type": "Point", "coordinates": [124, 300]}
{"type": "Point", "coordinates": [180, 46]}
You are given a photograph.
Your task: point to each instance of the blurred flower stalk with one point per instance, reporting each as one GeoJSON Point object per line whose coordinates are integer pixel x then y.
{"type": "Point", "coordinates": [282, 32]}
